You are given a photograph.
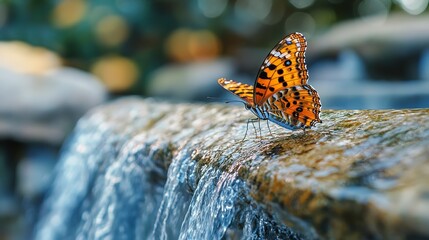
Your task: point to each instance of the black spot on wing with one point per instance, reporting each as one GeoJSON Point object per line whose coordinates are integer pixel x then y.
{"type": "Point", "coordinates": [259, 85]}
{"type": "Point", "coordinates": [272, 67]}
{"type": "Point", "coordinates": [263, 75]}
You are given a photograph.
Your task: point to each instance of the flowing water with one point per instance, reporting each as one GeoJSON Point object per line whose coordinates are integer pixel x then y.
{"type": "Point", "coordinates": [112, 183]}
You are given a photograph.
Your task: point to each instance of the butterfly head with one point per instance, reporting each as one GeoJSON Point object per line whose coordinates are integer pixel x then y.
{"type": "Point", "coordinates": [258, 111]}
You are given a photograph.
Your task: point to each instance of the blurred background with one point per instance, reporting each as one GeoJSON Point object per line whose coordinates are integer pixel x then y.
{"type": "Point", "coordinates": [60, 58]}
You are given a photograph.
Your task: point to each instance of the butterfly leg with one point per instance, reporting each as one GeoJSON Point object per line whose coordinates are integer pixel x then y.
{"type": "Point", "coordinates": [269, 129]}
{"type": "Point", "coordinates": [247, 127]}
{"type": "Point", "coordinates": [254, 127]}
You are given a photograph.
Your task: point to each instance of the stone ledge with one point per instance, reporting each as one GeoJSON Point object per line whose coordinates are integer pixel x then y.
{"type": "Point", "coordinates": [359, 174]}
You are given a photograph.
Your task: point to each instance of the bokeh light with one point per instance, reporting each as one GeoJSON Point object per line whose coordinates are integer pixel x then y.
{"type": "Point", "coordinates": [253, 10]}
{"type": "Point", "coordinates": [300, 4]}
{"type": "Point", "coordinates": [176, 45]}
{"type": "Point", "coordinates": [212, 8]}
{"type": "Point", "coordinates": [277, 12]}
{"type": "Point", "coordinates": [185, 45]}
{"type": "Point", "coordinates": [414, 7]}
{"type": "Point", "coordinates": [301, 22]}
{"type": "Point", "coordinates": [117, 73]}
{"type": "Point", "coordinates": [111, 30]}
{"type": "Point", "coordinates": [204, 45]}
{"type": "Point", "coordinates": [23, 58]}
{"type": "Point", "coordinates": [69, 12]}
{"type": "Point", "coordinates": [374, 7]}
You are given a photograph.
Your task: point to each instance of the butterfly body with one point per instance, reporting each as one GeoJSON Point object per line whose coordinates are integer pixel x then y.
{"type": "Point", "coordinates": [264, 114]}
{"type": "Point", "coordinates": [281, 93]}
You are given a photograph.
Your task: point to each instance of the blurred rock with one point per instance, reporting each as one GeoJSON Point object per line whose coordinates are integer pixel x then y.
{"type": "Point", "coordinates": [424, 65]}
{"type": "Point", "coordinates": [34, 171]}
{"type": "Point", "coordinates": [343, 84]}
{"type": "Point", "coordinates": [40, 102]}
{"type": "Point", "coordinates": [391, 47]}
{"type": "Point", "coordinates": [9, 214]}
{"type": "Point", "coordinates": [375, 35]}
{"type": "Point", "coordinates": [372, 63]}
{"type": "Point", "coordinates": [347, 68]}
{"type": "Point", "coordinates": [44, 107]}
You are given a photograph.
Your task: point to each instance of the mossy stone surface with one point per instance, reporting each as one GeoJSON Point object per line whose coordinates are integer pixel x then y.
{"type": "Point", "coordinates": [359, 174]}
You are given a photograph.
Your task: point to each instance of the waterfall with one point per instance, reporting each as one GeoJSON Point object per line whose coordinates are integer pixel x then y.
{"type": "Point", "coordinates": [115, 180]}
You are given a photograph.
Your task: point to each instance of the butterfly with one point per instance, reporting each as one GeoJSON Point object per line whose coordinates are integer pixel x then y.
{"type": "Point", "coordinates": [281, 93]}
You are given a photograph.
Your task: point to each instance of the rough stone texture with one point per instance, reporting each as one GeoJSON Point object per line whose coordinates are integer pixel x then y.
{"type": "Point", "coordinates": [359, 174]}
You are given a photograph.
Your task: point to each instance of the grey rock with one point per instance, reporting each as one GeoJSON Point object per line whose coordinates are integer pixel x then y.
{"type": "Point", "coordinates": [44, 108]}
{"type": "Point", "coordinates": [395, 35]}
{"type": "Point", "coordinates": [378, 62]}
{"type": "Point", "coordinates": [191, 81]}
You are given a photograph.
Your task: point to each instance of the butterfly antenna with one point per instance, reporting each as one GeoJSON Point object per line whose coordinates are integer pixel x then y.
{"type": "Point", "coordinates": [227, 101]}
{"type": "Point", "coordinates": [217, 98]}
{"type": "Point", "coordinates": [231, 101]}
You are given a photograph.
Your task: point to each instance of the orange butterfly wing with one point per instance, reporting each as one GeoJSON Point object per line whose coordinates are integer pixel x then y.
{"type": "Point", "coordinates": [296, 107]}
{"type": "Point", "coordinates": [284, 67]}
{"type": "Point", "coordinates": [244, 91]}
{"type": "Point", "coordinates": [281, 90]}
